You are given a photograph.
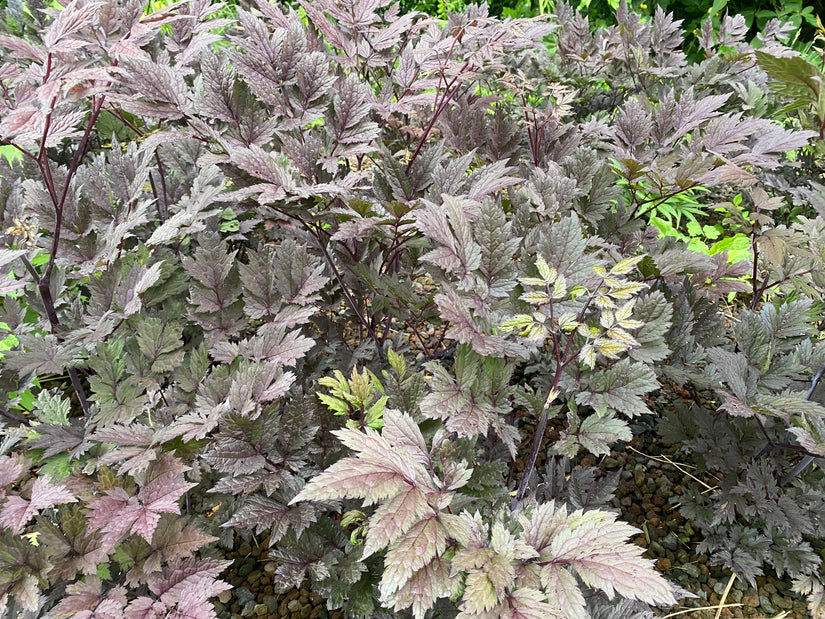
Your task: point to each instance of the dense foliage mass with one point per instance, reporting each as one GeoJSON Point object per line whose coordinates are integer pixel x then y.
{"type": "Point", "coordinates": [315, 272]}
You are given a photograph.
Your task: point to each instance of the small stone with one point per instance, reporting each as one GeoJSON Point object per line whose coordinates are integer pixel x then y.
{"type": "Point", "coordinates": [657, 549]}
{"type": "Point", "coordinates": [766, 606]}
{"type": "Point", "coordinates": [271, 603]}
{"type": "Point", "coordinates": [720, 587]}
{"type": "Point", "coordinates": [270, 567]}
{"type": "Point", "coordinates": [224, 596]}
{"type": "Point", "coordinates": [254, 576]}
{"type": "Point", "coordinates": [245, 549]}
{"type": "Point", "coordinates": [248, 609]}
{"type": "Point", "coordinates": [246, 569]}
{"type": "Point", "coordinates": [306, 611]}
{"type": "Point", "coordinates": [244, 595]}
{"type": "Point", "coordinates": [260, 610]}
{"type": "Point", "coordinates": [663, 564]}
{"type": "Point", "coordinates": [750, 598]}
{"type": "Point", "coordinates": [294, 606]}
{"type": "Point", "coordinates": [670, 542]}
{"type": "Point", "coordinates": [611, 463]}
{"type": "Point", "coordinates": [781, 602]}
{"type": "Point", "coordinates": [691, 569]}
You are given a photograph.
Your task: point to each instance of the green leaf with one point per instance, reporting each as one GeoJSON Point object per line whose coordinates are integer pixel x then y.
{"type": "Point", "coordinates": [52, 409]}
{"type": "Point", "coordinates": [793, 76]}
{"type": "Point", "coordinates": [597, 433]}
{"type": "Point", "coordinates": [548, 273]}
{"type": "Point", "coordinates": [397, 363]}
{"type": "Point", "coordinates": [161, 344]}
{"type": "Point", "coordinates": [623, 267]}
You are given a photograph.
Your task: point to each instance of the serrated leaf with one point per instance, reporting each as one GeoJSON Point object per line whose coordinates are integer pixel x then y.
{"type": "Point", "coordinates": [619, 388]}
{"type": "Point", "coordinates": [161, 344]}
{"type": "Point", "coordinates": [547, 273]}
{"type": "Point", "coordinates": [625, 266]}
{"type": "Point", "coordinates": [610, 348]}
{"type": "Point", "coordinates": [626, 290]}
{"type": "Point", "coordinates": [17, 511]}
{"type": "Point", "coordinates": [416, 548]}
{"type": "Point", "coordinates": [535, 297]}
{"type": "Point", "coordinates": [394, 518]}
{"type": "Point", "coordinates": [598, 433]}
{"type": "Point", "coordinates": [593, 544]}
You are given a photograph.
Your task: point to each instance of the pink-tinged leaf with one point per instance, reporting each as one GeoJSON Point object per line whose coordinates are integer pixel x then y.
{"type": "Point", "coordinates": [17, 511]}
{"type": "Point", "coordinates": [595, 545]}
{"type": "Point", "coordinates": [378, 472]}
{"type": "Point", "coordinates": [403, 433]}
{"type": "Point", "coordinates": [27, 593]}
{"type": "Point", "coordinates": [734, 406]}
{"type": "Point", "coordinates": [85, 600]}
{"type": "Point", "coordinates": [20, 121]}
{"type": "Point", "coordinates": [117, 513]}
{"type": "Point", "coordinates": [529, 604]}
{"type": "Point", "coordinates": [160, 495]}
{"type": "Point", "coordinates": [423, 588]}
{"type": "Point", "coordinates": [395, 518]}
{"type": "Point", "coordinates": [356, 228]}
{"type": "Point", "coordinates": [355, 478]}
{"type": "Point", "coordinates": [200, 577]}
{"type": "Point", "coordinates": [63, 125]}
{"type": "Point", "coordinates": [23, 49]}
{"type": "Point", "coordinates": [11, 469]}
{"type": "Point", "coordinates": [71, 19]}
{"type": "Point", "coordinates": [114, 514]}
{"type": "Point", "coordinates": [422, 543]}
{"type": "Point", "coordinates": [564, 591]}
{"type": "Point", "coordinates": [144, 608]}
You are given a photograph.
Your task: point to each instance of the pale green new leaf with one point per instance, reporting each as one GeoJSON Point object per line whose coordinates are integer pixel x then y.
{"type": "Point", "coordinates": [547, 273]}
{"type": "Point", "coordinates": [52, 409]}
{"type": "Point", "coordinates": [535, 297]}
{"type": "Point", "coordinates": [623, 267]}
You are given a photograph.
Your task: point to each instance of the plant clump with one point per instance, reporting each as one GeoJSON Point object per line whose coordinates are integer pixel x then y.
{"type": "Point", "coordinates": [325, 273]}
